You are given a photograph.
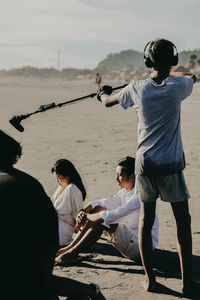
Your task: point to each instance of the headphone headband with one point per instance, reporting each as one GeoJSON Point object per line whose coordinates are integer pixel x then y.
{"type": "Point", "coordinates": [146, 48]}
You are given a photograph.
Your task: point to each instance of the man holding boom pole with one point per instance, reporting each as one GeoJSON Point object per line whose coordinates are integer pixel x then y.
{"type": "Point", "coordinates": [160, 158]}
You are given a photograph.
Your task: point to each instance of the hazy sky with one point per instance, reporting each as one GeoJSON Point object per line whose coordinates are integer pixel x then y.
{"type": "Point", "coordinates": [86, 31]}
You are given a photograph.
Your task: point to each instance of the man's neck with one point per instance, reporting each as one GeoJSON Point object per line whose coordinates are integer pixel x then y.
{"type": "Point", "coordinates": [159, 75]}
{"type": "Point", "coordinates": [130, 187]}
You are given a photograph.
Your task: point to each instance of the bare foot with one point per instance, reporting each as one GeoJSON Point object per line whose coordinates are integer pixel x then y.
{"type": "Point", "coordinates": [65, 258]}
{"type": "Point", "coordinates": [149, 286]}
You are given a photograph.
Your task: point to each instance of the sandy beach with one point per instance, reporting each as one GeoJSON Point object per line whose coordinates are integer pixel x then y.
{"type": "Point", "coordinates": [94, 138]}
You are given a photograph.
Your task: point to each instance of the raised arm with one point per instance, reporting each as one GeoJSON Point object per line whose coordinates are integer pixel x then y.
{"type": "Point", "coordinates": [183, 74]}
{"type": "Point", "coordinates": [109, 100]}
{"type": "Point", "coordinates": [104, 96]}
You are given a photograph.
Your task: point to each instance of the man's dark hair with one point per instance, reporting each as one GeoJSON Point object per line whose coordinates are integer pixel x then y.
{"type": "Point", "coordinates": [10, 150]}
{"type": "Point", "coordinates": [161, 53]}
{"type": "Point", "coordinates": [128, 164]}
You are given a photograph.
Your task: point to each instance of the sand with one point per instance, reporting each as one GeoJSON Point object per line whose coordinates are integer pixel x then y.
{"type": "Point", "coordinates": [94, 138]}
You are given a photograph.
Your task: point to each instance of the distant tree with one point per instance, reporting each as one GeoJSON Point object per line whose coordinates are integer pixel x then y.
{"type": "Point", "coordinates": [193, 58]}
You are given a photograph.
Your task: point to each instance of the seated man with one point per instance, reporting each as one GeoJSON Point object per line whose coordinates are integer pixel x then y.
{"type": "Point", "coordinates": [117, 215]}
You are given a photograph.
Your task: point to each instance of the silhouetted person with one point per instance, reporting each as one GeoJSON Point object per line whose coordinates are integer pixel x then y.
{"type": "Point", "coordinates": [29, 236]}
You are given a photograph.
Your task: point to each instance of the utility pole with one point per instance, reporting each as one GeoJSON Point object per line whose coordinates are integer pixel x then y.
{"type": "Point", "coordinates": [58, 60]}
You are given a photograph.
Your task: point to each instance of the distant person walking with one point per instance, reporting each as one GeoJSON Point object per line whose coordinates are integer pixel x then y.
{"type": "Point", "coordinates": [98, 80]}
{"type": "Point", "coordinates": [160, 158]}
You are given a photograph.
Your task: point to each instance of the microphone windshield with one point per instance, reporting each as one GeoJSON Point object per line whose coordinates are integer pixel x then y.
{"type": "Point", "coordinates": [15, 121]}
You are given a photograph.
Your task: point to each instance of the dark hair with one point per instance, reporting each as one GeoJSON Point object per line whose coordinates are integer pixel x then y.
{"type": "Point", "coordinates": [10, 150]}
{"type": "Point", "coordinates": [128, 164]}
{"type": "Point", "coordinates": [65, 168]}
{"type": "Point", "coordinates": [161, 53]}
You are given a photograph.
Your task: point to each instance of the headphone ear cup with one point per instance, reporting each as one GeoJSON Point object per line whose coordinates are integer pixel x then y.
{"type": "Point", "coordinates": [148, 62]}
{"type": "Point", "coordinates": [174, 60]}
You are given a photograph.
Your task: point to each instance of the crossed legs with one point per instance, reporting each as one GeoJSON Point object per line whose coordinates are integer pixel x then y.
{"type": "Point", "coordinates": [84, 239]}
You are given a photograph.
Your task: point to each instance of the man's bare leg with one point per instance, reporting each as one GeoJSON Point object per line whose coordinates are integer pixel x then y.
{"type": "Point", "coordinates": [147, 216]}
{"type": "Point", "coordinates": [88, 236]}
{"type": "Point", "coordinates": [77, 238]}
{"type": "Point", "coordinates": [184, 241]}
{"type": "Point", "coordinates": [88, 239]}
{"type": "Point", "coordinates": [80, 233]}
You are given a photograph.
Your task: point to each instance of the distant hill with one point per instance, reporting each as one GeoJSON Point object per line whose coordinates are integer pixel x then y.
{"type": "Point", "coordinates": [122, 60]}
{"type": "Point", "coordinates": [131, 58]}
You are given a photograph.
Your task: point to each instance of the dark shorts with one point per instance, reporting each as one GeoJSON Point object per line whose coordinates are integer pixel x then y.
{"type": "Point", "coordinates": [170, 188]}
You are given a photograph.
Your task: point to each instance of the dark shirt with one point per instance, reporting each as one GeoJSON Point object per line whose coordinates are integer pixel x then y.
{"type": "Point", "coordinates": [28, 225]}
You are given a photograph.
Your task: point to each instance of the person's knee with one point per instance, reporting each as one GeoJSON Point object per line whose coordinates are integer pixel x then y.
{"type": "Point", "coordinates": [147, 215]}
{"type": "Point", "coordinates": [97, 209]}
{"type": "Point", "coordinates": [184, 223]}
{"type": "Point", "coordinates": [146, 221]}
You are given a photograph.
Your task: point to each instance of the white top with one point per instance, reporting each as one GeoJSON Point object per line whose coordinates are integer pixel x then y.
{"type": "Point", "coordinates": [124, 207]}
{"type": "Point", "coordinates": [68, 203]}
{"type": "Point", "coordinates": [158, 107]}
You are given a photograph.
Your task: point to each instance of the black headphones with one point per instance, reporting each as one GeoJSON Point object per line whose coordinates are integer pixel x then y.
{"type": "Point", "coordinates": [149, 63]}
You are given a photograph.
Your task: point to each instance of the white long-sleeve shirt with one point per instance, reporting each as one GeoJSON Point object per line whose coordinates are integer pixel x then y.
{"type": "Point", "coordinates": [124, 207]}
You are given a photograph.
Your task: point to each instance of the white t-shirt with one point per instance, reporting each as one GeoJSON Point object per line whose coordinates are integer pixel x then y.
{"type": "Point", "coordinates": [124, 207]}
{"type": "Point", "coordinates": [158, 108]}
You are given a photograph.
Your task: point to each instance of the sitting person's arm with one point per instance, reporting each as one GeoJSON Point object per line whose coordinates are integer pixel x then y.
{"type": "Point", "coordinates": [119, 214]}
{"type": "Point", "coordinates": [116, 215]}
{"type": "Point", "coordinates": [110, 100]}
{"type": "Point", "coordinates": [109, 203]}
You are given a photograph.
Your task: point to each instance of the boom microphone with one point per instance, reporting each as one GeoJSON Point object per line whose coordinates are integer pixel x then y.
{"type": "Point", "coordinates": [16, 120]}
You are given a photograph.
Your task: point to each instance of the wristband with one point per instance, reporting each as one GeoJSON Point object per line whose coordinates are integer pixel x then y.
{"type": "Point", "coordinates": [99, 95]}
{"type": "Point", "coordinates": [82, 209]}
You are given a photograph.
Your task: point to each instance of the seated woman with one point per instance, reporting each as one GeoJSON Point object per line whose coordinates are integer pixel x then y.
{"type": "Point", "coordinates": [68, 198]}
{"type": "Point", "coordinates": [117, 215]}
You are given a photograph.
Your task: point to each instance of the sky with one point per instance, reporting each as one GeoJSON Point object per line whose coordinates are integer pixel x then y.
{"type": "Point", "coordinates": [80, 33]}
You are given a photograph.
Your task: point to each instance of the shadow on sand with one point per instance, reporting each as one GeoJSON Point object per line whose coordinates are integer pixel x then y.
{"type": "Point", "coordinates": [166, 265]}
